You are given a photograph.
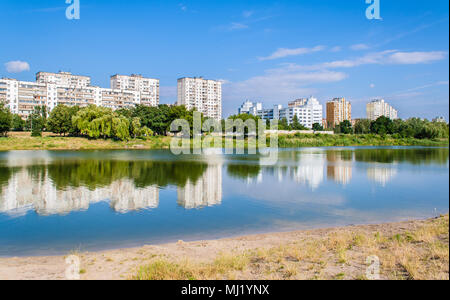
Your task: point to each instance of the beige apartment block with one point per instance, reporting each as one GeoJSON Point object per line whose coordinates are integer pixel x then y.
{"type": "Point", "coordinates": [378, 108]}
{"type": "Point", "coordinates": [338, 110]}
{"type": "Point", "coordinates": [51, 89]}
{"type": "Point", "coordinates": [202, 94]}
{"type": "Point", "coordinates": [148, 87]}
{"type": "Point", "coordinates": [63, 79]}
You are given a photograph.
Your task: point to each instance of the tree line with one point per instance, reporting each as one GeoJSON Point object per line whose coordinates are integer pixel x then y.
{"type": "Point", "coordinates": [96, 122]}
{"type": "Point", "coordinates": [144, 121]}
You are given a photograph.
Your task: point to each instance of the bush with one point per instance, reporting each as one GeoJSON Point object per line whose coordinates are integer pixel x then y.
{"type": "Point", "coordinates": [5, 120]}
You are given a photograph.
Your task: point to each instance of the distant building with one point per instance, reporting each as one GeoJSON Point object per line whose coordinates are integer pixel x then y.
{"type": "Point", "coordinates": [378, 108]}
{"type": "Point", "coordinates": [439, 120]}
{"type": "Point", "coordinates": [309, 113]}
{"type": "Point", "coordinates": [250, 108]}
{"type": "Point", "coordinates": [52, 89]}
{"type": "Point", "coordinates": [298, 102]}
{"type": "Point", "coordinates": [63, 79]}
{"type": "Point", "coordinates": [203, 95]}
{"type": "Point", "coordinates": [338, 110]}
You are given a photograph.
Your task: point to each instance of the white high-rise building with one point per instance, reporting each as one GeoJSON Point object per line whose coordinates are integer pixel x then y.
{"type": "Point", "coordinates": [63, 79]}
{"type": "Point", "coordinates": [308, 111]}
{"type": "Point", "coordinates": [148, 87]}
{"type": "Point", "coordinates": [378, 108]}
{"type": "Point", "coordinates": [308, 114]}
{"type": "Point", "coordinates": [51, 89]}
{"type": "Point", "coordinates": [202, 94]}
{"type": "Point", "coordinates": [250, 108]}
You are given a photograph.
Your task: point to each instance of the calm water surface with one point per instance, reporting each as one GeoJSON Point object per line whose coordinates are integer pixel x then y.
{"type": "Point", "coordinates": [55, 202]}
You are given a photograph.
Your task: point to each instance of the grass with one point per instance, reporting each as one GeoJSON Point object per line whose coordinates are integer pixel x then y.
{"type": "Point", "coordinates": [319, 140]}
{"type": "Point", "coordinates": [23, 141]}
{"type": "Point", "coordinates": [421, 253]}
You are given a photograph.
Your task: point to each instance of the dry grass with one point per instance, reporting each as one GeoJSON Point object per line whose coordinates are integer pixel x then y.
{"type": "Point", "coordinates": [417, 254]}
{"type": "Point", "coordinates": [49, 141]}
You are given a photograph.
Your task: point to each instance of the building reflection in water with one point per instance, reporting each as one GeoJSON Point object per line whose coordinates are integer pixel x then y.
{"type": "Point", "coordinates": [206, 191]}
{"type": "Point", "coordinates": [339, 166]}
{"type": "Point", "coordinates": [309, 170]}
{"type": "Point", "coordinates": [25, 192]}
{"type": "Point", "coordinates": [381, 175]}
{"type": "Point", "coordinates": [58, 186]}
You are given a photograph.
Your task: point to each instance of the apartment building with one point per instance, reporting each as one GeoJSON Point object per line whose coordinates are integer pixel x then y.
{"type": "Point", "coordinates": [202, 94]}
{"type": "Point", "coordinates": [308, 114]}
{"type": "Point", "coordinates": [147, 86]}
{"type": "Point", "coordinates": [338, 110]}
{"type": "Point", "coordinates": [378, 108]}
{"type": "Point", "coordinates": [439, 120]}
{"type": "Point", "coordinates": [298, 102]}
{"type": "Point", "coordinates": [308, 111]}
{"type": "Point", "coordinates": [51, 89]}
{"type": "Point", "coordinates": [63, 79]}
{"type": "Point", "coordinates": [250, 108]}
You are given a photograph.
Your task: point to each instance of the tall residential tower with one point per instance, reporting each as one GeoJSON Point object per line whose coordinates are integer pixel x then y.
{"type": "Point", "coordinates": [202, 94]}
{"type": "Point", "coordinates": [378, 108]}
{"type": "Point", "coordinates": [338, 110]}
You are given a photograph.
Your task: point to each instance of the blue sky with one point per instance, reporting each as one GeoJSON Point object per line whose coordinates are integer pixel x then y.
{"type": "Point", "coordinates": [268, 51]}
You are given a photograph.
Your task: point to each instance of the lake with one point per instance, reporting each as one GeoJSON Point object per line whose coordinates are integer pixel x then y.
{"type": "Point", "coordinates": [54, 202]}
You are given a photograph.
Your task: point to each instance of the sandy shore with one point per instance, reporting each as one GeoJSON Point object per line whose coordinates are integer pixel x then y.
{"type": "Point", "coordinates": [314, 254]}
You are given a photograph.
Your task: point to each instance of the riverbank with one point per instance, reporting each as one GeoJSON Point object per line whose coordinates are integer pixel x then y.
{"type": "Point", "coordinates": [406, 250]}
{"type": "Point", "coordinates": [49, 141]}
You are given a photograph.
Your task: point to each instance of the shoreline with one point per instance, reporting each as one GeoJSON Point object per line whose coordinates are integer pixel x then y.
{"type": "Point", "coordinates": [22, 141]}
{"type": "Point", "coordinates": [416, 249]}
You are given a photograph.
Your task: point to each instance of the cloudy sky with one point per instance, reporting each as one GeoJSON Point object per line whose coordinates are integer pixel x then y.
{"type": "Point", "coordinates": [268, 51]}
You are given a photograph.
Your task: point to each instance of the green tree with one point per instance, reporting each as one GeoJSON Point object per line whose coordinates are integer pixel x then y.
{"type": "Point", "coordinates": [283, 125]}
{"type": "Point", "coordinates": [244, 118]}
{"type": "Point", "coordinates": [5, 120]}
{"type": "Point", "coordinates": [362, 126]}
{"type": "Point", "coordinates": [17, 124]}
{"type": "Point", "coordinates": [295, 125]}
{"type": "Point", "coordinates": [382, 125]}
{"type": "Point", "coordinates": [317, 127]}
{"type": "Point", "coordinates": [60, 120]}
{"type": "Point", "coordinates": [96, 122]}
{"type": "Point", "coordinates": [345, 127]}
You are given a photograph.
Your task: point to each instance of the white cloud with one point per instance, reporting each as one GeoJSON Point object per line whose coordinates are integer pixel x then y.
{"type": "Point", "coordinates": [359, 47]}
{"type": "Point", "coordinates": [248, 13]}
{"type": "Point", "coordinates": [388, 57]}
{"type": "Point", "coordinates": [224, 81]}
{"type": "Point", "coordinates": [336, 49]}
{"type": "Point", "coordinates": [416, 57]}
{"type": "Point", "coordinates": [17, 66]}
{"type": "Point", "coordinates": [237, 26]}
{"type": "Point", "coordinates": [283, 52]}
{"type": "Point", "coordinates": [278, 85]}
